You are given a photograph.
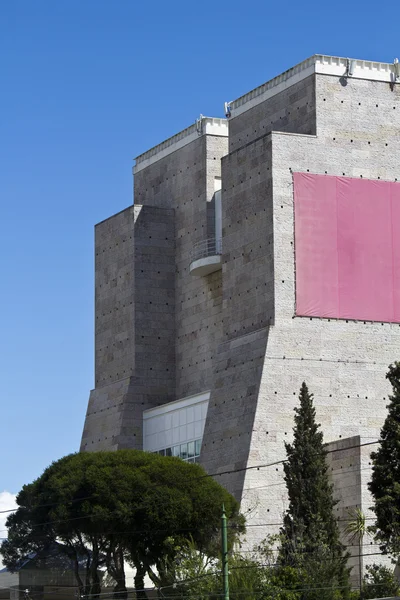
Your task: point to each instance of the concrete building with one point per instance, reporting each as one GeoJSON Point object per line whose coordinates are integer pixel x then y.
{"type": "Point", "coordinates": [260, 251]}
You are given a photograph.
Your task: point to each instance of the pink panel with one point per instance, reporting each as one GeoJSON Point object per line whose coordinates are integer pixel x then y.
{"type": "Point", "coordinates": [395, 197]}
{"type": "Point", "coordinates": [316, 227]}
{"type": "Point", "coordinates": [347, 236]}
{"type": "Point", "coordinates": [364, 250]}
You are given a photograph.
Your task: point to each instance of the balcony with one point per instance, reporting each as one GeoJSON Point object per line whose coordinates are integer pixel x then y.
{"type": "Point", "coordinates": [205, 257]}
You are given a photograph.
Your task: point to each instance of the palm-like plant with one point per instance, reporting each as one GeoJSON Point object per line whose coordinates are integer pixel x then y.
{"type": "Point", "coordinates": [355, 530]}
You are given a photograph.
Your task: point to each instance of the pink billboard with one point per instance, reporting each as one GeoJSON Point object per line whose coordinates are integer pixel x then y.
{"type": "Point", "coordinates": [347, 244]}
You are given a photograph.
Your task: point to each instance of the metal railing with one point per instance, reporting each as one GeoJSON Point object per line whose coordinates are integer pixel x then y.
{"type": "Point", "coordinates": [210, 247]}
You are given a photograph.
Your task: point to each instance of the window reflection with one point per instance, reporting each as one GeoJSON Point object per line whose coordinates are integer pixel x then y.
{"type": "Point", "coordinates": [189, 451]}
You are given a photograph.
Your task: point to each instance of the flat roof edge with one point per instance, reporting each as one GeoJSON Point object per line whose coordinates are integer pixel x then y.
{"type": "Point", "coordinates": [203, 126]}
{"type": "Point", "coordinates": [320, 64]}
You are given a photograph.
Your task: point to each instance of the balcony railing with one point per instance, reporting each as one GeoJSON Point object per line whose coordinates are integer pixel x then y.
{"type": "Point", "coordinates": [205, 257]}
{"type": "Point", "coordinates": [210, 247]}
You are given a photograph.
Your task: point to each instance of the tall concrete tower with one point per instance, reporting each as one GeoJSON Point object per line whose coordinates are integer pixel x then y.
{"type": "Point", "coordinates": [261, 251]}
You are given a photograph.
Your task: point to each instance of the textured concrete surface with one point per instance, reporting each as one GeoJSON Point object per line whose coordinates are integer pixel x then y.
{"type": "Point", "coordinates": [234, 332]}
{"type": "Point", "coordinates": [134, 325]}
{"type": "Point", "coordinates": [343, 362]}
{"type": "Point", "coordinates": [291, 110]}
{"type": "Point", "coordinates": [156, 325]}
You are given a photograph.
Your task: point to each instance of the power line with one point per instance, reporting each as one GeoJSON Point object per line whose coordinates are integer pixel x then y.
{"type": "Point", "coordinates": [47, 505]}
{"type": "Point", "coordinates": [244, 490]}
{"type": "Point", "coordinates": [279, 462]}
{"type": "Point", "coordinates": [176, 531]}
{"type": "Point", "coordinates": [251, 467]}
{"type": "Point", "coordinates": [268, 485]}
{"type": "Point", "coordinates": [201, 595]}
{"type": "Point", "coordinates": [215, 573]}
{"type": "Point", "coordinates": [327, 360]}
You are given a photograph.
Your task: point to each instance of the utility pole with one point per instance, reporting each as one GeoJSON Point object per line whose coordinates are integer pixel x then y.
{"type": "Point", "coordinates": [224, 537]}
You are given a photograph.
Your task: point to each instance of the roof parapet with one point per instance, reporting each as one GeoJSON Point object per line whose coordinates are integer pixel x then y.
{"type": "Point", "coordinates": [325, 65]}
{"type": "Point", "coordinates": [202, 126]}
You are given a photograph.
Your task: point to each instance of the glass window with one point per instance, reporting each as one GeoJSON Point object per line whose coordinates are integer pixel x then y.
{"type": "Point", "coordinates": [184, 451]}
{"type": "Point", "coordinates": [190, 449]}
{"type": "Point", "coordinates": [197, 447]}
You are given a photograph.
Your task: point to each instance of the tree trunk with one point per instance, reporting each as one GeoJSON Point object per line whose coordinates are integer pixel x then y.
{"type": "Point", "coordinates": [120, 591]}
{"type": "Point", "coordinates": [139, 582]}
{"type": "Point", "coordinates": [118, 573]}
{"type": "Point", "coordinates": [95, 589]}
{"type": "Point", "coordinates": [77, 575]}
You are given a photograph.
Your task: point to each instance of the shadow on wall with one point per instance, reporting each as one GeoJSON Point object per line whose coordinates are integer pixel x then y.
{"type": "Point", "coordinates": [232, 408]}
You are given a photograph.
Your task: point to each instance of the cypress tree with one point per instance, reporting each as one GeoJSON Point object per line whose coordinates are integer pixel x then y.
{"type": "Point", "coordinates": [385, 482]}
{"type": "Point", "coordinates": [310, 529]}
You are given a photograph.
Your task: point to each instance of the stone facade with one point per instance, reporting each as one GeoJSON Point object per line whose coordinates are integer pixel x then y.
{"type": "Point", "coordinates": [343, 362]}
{"type": "Point", "coordinates": [163, 333]}
{"type": "Point", "coordinates": [134, 325]}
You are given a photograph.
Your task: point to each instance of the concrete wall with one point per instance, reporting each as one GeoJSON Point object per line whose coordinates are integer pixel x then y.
{"type": "Point", "coordinates": [135, 325]}
{"type": "Point", "coordinates": [292, 109]}
{"type": "Point", "coordinates": [114, 297]}
{"type": "Point", "coordinates": [344, 463]}
{"type": "Point", "coordinates": [157, 326]}
{"type": "Point", "coordinates": [184, 180]}
{"type": "Point", "coordinates": [343, 362]}
{"type": "Point", "coordinates": [247, 274]}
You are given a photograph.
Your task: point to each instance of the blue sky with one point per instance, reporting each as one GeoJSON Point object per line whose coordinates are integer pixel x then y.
{"type": "Point", "coordinates": [85, 87]}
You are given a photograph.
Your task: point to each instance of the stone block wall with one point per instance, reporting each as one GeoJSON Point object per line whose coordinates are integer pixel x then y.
{"type": "Point", "coordinates": [247, 295]}
{"type": "Point", "coordinates": [157, 326]}
{"type": "Point", "coordinates": [135, 325]}
{"type": "Point", "coordinates": [344, 464]}
{"type": "Point", "coordinates": [343, 362]}
{"type": "Point", "coordinates": [184, 181]}
{"type": "Point", "coordinates": [114, 297]}
{"type": "Point", "coordinates": [293, 109]}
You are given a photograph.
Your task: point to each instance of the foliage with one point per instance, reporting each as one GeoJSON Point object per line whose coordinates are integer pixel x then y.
{"type": "Point", "coordinates": [256, 576]}
{"type": "Point", "coordinates": [355, 529]}
{"type": "Point", "coordinates": [105, 506]}
{"type": "Point", "coordinates": [356, 526]}
{"type": "Point", "coordinates": [310, 531]}
{"type": "Point", "coordinates": [191, 574]}
{"type": "Point", "coordinates": [198, 577]}
{"type": "Point", "coordinates": [380, 582]}
{"type": "Point", "coordinates": [310, 576]}
{"type": "Point", "coordinates": [385, 482]}
{"type": "Point", "coordinates": [247, 578]}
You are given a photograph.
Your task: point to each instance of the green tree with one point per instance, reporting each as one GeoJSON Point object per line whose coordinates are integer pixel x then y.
{"type": "Point", "coordinates": [380, 582]}
{"type": "Point", "coordinates": [107, 506]}
{"type": "Point", "coordinates": [385, 482]}
{"type": "Point", "coordinates": [310, 533]}
{"type": "Point", "coordinates": [199, 577]}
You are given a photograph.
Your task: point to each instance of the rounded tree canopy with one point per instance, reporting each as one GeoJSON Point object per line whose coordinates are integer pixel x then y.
{"type": "Point", "coordinates": [137, 499]}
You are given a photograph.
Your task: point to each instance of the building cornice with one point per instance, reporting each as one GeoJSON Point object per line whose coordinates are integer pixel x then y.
{"type": "Point", "coordinates": [203, 126]}
{"type": "Point", "coordinates": [324, 65]}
